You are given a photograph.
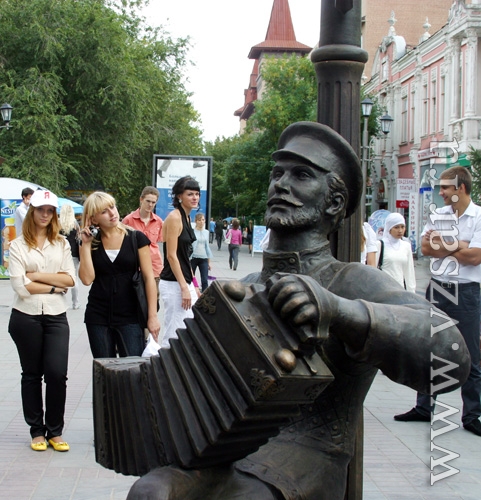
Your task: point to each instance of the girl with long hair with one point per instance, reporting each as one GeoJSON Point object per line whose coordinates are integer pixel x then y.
{"type": "Point", "coordinates": [71, 230]}
{"type": "Point", "coordinates": [108, 263]}
{"type": "Point", "coordinates": [41, 271]}
{"type": "Point", "coordinates": [176, 280]}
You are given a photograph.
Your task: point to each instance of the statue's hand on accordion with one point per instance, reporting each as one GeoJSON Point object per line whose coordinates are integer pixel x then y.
{"type": "Point", "coordinates": [304, 304]}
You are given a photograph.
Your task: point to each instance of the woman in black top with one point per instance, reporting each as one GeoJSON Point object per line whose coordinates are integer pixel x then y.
{"type": "Point", "coordinates": [108, 262]}
{"type": "Point", "coordinates": [176, 287]}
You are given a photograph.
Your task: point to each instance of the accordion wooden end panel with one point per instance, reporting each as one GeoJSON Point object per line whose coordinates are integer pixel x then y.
{"type": "Point", "coordinates": [236, 374]}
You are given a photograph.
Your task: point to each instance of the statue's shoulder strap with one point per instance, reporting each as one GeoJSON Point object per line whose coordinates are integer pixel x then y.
{"type": "Point", "coordinates": [330, 272]}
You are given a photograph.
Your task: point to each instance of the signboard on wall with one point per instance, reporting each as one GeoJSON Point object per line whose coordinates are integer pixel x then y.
{"type": "Point", "coordinates": [168, 169]}
{"type": "Point", "coordinates": [404, 188]}
{"type": "Point", "coordinates": [413, 221]}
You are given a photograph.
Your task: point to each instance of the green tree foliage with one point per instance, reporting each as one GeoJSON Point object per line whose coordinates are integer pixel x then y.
{"type": "Point", "coordinates": [290, 95]}
{"type": "Point", "coordinates": [474, 157]}
{"type": "Point", "coordinates": [96, 93]}
{"type": "Point", "coordinates": [242, 164]}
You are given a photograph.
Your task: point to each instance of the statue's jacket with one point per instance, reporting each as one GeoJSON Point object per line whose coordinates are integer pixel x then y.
{"type": "Point", "coordinates": [407, 338]}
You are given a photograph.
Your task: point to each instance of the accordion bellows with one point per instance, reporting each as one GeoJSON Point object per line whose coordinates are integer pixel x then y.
{"type": "Point", "coordinates": [233, 377]}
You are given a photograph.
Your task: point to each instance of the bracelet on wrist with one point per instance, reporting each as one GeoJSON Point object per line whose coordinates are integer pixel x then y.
{"type": "Point", "coordinates": [52, 290]}
{"type": "Point", "coordinates": [194, 282]}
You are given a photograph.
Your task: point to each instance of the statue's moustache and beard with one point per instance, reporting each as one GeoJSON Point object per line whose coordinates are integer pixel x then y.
{"type": "Point", "coordinates": [292, 217]}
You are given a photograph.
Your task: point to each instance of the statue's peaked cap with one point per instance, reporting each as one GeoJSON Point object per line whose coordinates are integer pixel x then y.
{"type": "Point", "coordinates": [327, 150]}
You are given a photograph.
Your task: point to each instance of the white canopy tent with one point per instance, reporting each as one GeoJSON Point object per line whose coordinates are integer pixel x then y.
{"type": "Point", "coordinates": [11, 189]}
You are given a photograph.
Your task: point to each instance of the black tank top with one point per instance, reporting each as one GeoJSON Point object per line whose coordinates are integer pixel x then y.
{"type": "Point", "coordinates": [184, 251]}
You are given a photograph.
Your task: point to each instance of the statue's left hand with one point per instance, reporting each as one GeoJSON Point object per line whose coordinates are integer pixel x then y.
{"type": "Point", "coordinates": [302, 302]}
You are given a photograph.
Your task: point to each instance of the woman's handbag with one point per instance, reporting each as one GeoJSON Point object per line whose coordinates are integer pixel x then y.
{"type": "Point", "coordinates": [228, 238]}
{"type": "Point", "coordinates": [139, 286]}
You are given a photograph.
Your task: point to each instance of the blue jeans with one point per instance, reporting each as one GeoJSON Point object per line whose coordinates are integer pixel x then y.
{"type": "Point", "coordinates": [466, 312]}
{"type": "Point", "coordinates": [106, 341]}
{"type": "Point", "coordinates": [233, 256]}
{"type": "Point", "coordinates": [203, 265]}
{"type": "Point", "coordinates": [42, 344]}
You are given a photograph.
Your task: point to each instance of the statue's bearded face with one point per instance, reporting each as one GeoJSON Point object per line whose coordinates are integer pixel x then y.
{"type": "Point", "coordinates": [296, 196]}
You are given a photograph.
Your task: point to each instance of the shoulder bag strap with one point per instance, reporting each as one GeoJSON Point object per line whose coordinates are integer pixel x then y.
{"type": "Point", "coordinates": [133, 235]}
{"type": "Point", "coordinates": [381, 256]}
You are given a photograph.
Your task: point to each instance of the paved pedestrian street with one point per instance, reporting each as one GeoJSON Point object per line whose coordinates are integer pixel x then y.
{"type": "Point", "coordinates": [396, 454]}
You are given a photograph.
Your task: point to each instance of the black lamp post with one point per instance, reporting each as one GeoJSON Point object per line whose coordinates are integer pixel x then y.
{"type": "Point", "coordinates": [6, 111]}
{"type": "Point", "coordinates": [339, 63]}
{"type": "Point", "coordinates": [366, 108]}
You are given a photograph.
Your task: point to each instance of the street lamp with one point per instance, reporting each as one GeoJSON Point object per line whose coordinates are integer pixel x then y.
{"type": "Point", "coordinates": [6, 111]}
{"type": "Point", "coordinates": [366, 108]}
{"type": "Point", "coordinates": [386, 122]}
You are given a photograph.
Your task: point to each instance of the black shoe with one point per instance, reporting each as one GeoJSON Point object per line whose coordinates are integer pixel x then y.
{"type": "Point", "coordinates": [412, 416]}
{"type": "Point", "coordinates": [474, 426]}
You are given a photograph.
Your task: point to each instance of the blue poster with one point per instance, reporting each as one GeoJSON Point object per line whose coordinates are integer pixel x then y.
{"type": "Point", "coordinates": [257, 236]}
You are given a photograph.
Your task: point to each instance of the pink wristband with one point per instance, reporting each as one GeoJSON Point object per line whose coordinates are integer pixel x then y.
{"type": "Point", "coordinates": [194, 281]}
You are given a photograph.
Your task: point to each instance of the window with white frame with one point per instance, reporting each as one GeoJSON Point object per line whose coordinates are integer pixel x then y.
{"type": "Point", "coordinates": [442, 104]}
{"type": "Point", "coordinates": [404, 118]}
{"type": "Point", "coordinates": [434, 109]}
{"type": "Point", "coordinates": [413, 112]}
{"type": "Point", "coordinates": [425, 108]}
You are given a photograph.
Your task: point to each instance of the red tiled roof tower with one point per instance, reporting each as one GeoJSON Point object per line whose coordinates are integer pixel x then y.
{"type": "Point", "coordinates": [280, 39]}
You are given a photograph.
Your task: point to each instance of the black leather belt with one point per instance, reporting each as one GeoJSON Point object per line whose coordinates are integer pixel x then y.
{"type": "Point", "coordinates": [452, 284]}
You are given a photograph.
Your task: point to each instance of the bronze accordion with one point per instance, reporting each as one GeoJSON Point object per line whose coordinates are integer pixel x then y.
{"type": "Point", "coordinates": [235, 375]}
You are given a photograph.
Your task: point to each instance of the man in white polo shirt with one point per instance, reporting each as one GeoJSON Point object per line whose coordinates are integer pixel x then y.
{"type": "Point", "coordinates": [452, 238]}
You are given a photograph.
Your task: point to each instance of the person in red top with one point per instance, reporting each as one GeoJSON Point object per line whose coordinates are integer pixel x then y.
{"type": "Point", "coordinates": [143, 219]}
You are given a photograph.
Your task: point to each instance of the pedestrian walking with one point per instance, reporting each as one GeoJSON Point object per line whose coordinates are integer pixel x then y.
{"type": "Point", "coordinates": [201, 253]}
{"type": "Point", "coordinates": [235, 236]}
{"type": "Point", "coordinates": [219, 232]}
{"type": "Point", "coordinates": [211, 230]}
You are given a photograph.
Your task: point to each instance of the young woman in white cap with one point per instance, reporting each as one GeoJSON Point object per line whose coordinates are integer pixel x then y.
{"type": "Point", "coordinates": [41, 271]}
{"type": "Point", "coordinates": [397, 257]}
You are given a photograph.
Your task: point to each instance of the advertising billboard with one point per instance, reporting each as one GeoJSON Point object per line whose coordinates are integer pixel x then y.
{"type": "Point", "coordinates": [7, 226]}
{"type": "Point", "coordinates": [167, 169]}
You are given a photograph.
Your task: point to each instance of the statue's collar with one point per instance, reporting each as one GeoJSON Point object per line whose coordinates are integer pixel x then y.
{"type": "Point", "coordinates": [306, 262]}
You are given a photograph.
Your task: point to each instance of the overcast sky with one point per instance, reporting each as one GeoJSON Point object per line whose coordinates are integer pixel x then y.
{"type": "Point", "coordinates": [222, 33]}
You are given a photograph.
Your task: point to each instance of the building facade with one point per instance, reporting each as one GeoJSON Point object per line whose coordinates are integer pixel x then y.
{"type": "Point", "coordinates": [431, 92]}
{"type": "Point", "coordinates": [409, 17]}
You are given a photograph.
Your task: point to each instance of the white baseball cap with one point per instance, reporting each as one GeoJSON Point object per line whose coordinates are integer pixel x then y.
{"type": "Point", "coordinates": [43, 197]}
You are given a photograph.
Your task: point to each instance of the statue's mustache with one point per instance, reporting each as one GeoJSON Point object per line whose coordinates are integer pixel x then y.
{"type": "Point", "coordinates": [284, 199]}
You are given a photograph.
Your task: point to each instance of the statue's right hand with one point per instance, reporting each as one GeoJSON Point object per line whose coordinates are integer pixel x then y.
{"type": "Point", "coordinates": [303, 303]}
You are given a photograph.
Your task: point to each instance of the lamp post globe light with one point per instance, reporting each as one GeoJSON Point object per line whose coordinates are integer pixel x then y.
{"type": "Point", "coordinates": [386, 122]}
{"type": "Point", "coordinates": [366, 108]}
{"type": "Point", "coordinates": [6, 111]}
